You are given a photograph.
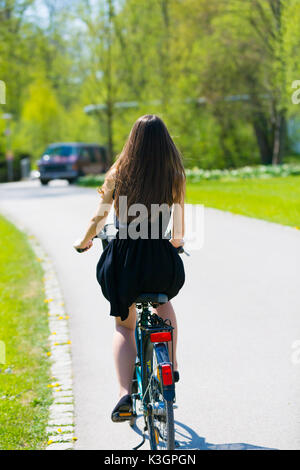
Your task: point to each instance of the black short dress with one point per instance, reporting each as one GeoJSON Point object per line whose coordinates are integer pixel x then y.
{"type": "Point", "coordinates": [129, 267]}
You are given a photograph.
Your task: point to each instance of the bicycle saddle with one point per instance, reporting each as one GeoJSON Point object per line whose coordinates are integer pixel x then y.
{"type": "Point", "coordinates": [152, 298]}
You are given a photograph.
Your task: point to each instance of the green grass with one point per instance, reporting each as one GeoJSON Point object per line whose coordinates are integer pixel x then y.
{"type": "Point", "coordinates": [24, 396]}
{"type": "Point", "coordinates": [273, 199]}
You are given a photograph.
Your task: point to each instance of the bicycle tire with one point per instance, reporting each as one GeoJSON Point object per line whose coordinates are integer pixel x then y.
{"type": "Point", "coordinates": [170, 425]}
{"type": "Point", "coordinates": [148, 369]}
{"type": "Point", "coordinates": [167, 433]}
{"type": "Point", "coordinates": [167, 441]}
{"type": "Point", "coordinates": [152, 432]}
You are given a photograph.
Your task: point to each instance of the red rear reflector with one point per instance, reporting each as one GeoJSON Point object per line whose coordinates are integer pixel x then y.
{"type": "Point", "coordinates": [166, 372]}
{"type": "Point", "coordinates": [161, 337]}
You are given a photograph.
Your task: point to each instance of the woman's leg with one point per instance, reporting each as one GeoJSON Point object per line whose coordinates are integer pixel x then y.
{"type": "Point", "coordinates": [166, 311]}
{"type": "Point", "coordinates": [124, 348]}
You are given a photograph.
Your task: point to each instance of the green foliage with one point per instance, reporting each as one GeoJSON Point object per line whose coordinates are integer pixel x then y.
{"type": "Point", "coordinates": [258, 172]}
{"type": "Point", "coordinates": [91, 180]}
{"type": "Point", "coordinates": [24, 396]}
{"type": "Point", "coordinates": [165, 56]}
{"type": "Point", "coordinates": [16, 168]}
{"type": "Point", "coordinates": [41, 119]}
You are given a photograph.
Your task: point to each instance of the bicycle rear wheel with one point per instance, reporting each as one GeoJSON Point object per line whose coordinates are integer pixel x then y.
{"type": "Point", "coordinates": [148, 361]}
{"type": "Point", "coordinates": [160, 419]}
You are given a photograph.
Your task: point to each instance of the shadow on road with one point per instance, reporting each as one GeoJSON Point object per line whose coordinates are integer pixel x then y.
{"type": "Point", "coordinates": [187, 438]}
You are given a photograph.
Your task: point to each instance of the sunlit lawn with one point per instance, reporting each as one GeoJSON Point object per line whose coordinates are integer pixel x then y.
{"type": "Point", "coordinates": [24, 396]}
{"type": "Point", "coordinates": [273, 199]}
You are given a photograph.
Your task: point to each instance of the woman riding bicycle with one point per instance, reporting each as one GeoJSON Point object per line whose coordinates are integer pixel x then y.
{"type": "Point", "coordinates": [145, 183]}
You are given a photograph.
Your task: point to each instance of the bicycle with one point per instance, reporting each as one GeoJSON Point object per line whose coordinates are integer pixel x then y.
{"type": "Point", "coordinates": [153, 382]}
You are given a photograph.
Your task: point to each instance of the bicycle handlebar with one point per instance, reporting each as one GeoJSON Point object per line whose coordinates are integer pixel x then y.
{"type": "Point", "coordinates": [81, 250]}
{"type": "Point", "coordinates": [105, 238]}
{"type": "Point", "coordinates": [180, 250]}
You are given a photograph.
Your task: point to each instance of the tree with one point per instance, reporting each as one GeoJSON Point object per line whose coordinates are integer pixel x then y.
{"type": "Point", "coordinates": [41, 118]}
{"type": "Point", "coordinates": [264, 25]}
{"type": "Point", "coordinates": [102, 81]}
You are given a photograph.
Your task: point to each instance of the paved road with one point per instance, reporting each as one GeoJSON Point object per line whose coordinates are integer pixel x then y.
{"type": "Point", "coordinates": [238, 318]}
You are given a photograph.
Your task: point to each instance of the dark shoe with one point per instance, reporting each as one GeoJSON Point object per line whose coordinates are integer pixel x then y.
{"type": "Point", "coordinates": [176, 376]}
{"type": "Point", "coordinates": [123, 410]}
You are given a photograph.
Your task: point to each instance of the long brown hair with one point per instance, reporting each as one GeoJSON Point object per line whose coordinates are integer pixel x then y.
{"type": "Point", "coordinates": [149, 170]}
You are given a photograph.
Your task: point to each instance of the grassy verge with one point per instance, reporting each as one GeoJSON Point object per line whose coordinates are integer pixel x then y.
{"type": "Point", "coordinates": [24, 396]}
{"type": "Point", "coordinates": [273, 199]}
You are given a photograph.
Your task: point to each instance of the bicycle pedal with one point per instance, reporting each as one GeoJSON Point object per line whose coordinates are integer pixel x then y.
{"type": "Point", "coordinates": [121, 416]}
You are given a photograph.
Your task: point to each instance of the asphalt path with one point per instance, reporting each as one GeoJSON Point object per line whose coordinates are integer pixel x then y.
{"type": "Point", "coordinates": [238, 316]}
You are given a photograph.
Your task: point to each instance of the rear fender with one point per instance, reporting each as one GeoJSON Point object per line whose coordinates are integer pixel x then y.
{"type": "Point", "coordinates": [162, 357]}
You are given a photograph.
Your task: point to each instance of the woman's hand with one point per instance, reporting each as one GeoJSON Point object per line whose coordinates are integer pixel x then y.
{"type": "Point", "coordinates": [81, 246]}
{"type": "Point", "coordinates": [177, 242]}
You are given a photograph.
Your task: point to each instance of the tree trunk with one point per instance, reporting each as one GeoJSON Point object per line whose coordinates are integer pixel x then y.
{"type": "Point", "coordinates": [110, 141]}
{"type": "Point", "coordinates": [164, 54]}
{"type": "Point", "coordinates": [261, 130]}
{"type": "Point", "coordinates": [110, 94]}
{"type": "Point", "coordinates": [279, 138]}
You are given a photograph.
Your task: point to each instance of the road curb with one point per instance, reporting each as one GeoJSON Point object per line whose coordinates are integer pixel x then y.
{"type": "Point", "coordinates": [60, 428]}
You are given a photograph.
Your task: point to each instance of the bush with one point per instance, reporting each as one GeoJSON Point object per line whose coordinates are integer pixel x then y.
{"type": "Point", "coordinates": [91, 180]}
{"type": "Point", "coordinates": [246, 172]}
{"type": "Point", "coordinates": [16, 166]}
{"type": "Point", "coordinates": [197, 174]}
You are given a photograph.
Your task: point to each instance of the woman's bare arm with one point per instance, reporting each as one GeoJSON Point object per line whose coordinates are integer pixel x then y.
{"type": "Point", "coordinates": [98, 220]}
{"type": "Point", "coordinates": [178, 223]}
